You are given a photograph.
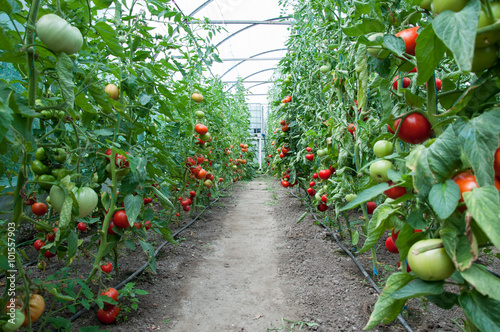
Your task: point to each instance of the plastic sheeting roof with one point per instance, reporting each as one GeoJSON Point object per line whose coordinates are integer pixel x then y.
{"type": "Point", "coordinates": [249, 51]}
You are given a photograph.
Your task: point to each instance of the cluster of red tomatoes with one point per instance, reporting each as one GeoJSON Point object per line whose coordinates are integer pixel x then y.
{"type": "Point", "coordinates": [49, 237]}
{"type": "Point", "coordinates": [109, 312]}
{"type": "Point", "coordinates": [286, 100]}
{"type": "Point", "coordinates": [186, 203]}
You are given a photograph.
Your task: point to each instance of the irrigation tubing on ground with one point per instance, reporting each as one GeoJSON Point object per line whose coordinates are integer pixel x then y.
{"type": "Point", "coordinates": [363, 271]}
{"type": "Point", "coordinates": [142, 268]}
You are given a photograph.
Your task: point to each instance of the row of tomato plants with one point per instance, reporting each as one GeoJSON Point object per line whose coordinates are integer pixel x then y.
{"type": "Point", "coordinates": [104, 132]}
{"type": "Point", "coordinates": [390, 107]}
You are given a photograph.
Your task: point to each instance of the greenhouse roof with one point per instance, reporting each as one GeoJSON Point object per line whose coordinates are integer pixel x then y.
{"type": "Point", "coordinates": [251, 41]}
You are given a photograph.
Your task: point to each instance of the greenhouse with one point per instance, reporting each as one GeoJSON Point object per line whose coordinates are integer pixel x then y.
{"type": "Point", "coordinates": [237, 165]}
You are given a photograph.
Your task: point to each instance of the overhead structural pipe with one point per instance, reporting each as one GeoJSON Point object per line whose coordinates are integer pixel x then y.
{"type": "Point", "coordinates": [245, 28]}
{"type": "Point", "coordinates": [254, 22]}
{"type": "Point", "coordinates": [257, 72]}
{"type": "Point", "coordinates": [200, 7]}
{"type": "Point", "coordinates": [251, 57]}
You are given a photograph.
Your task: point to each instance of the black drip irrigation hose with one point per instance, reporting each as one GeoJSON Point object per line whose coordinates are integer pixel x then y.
{"type": "Point", "coordinates": [363, 271]}
{"type": "Point", "coordinates": [142, 268]}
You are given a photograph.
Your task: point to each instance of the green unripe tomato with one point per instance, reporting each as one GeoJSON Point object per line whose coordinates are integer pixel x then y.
{"type": "Point", "coordinates": [317, 196]}
{"type": "Point", "coordinates": [484, 58]}
{"type": "Point", "coordinates": [350, 197]}
{"type": "Point", "coordinates": [377, 51]}
{"type": "Point", "coordinates": [426, 4]}
{"type": "Point", "coordinates": [378, 170]}
{"type": "Point", "coordinates": [58, 35]}
{"type": "Point", "coordinates": [46, 178]}
{"type": "Point", "coordinates": [38, 167]}
{"type": "Point", "coordinates": [205, 137]}
{"type": "Point", "coordinates": [487, 38]}
{"type": "Point", "coordinates": [199, 114]}
{"type": "Point", "coordinates": [439, 6]}
{"type": "Point", "coordinates": [325, 68]}
{"type": "Point", "coordinates": [122, 39]}
{"type": "Point", "coordinates": [57, 197]}
{"type": "Point", "coordinates": [382, 148]}
{"type": "Point", "coordinates": [430, 265]}
{"type": "Point", "coordinates": [322, 152]}
{"type": "Point", "coordinates": [40, 154]}
{"type": "Point", "coordinates": [15, 320]}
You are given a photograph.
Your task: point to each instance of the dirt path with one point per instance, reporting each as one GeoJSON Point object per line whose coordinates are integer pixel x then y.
{"type": "Point", "coordinates": [237, 287]}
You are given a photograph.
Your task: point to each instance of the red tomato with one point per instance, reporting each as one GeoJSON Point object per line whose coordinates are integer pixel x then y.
{"type": "Point", "coordinates": [120, 219]}
{"type": "Point", "coordinates": [406, 83]}
{"type": "Point", "coordinates": [391, 246]}
{"type": "Point", "coordinates": [285, 183]}
{"type": "Point", "coordinates": [395, 192]}
{"type": "Point", "coordinates": [415, 129]}
{"type": "Point", "coordinates": [282, 122]}
{"type": "Point", "coordinates": [48, 254]}
{"type": "Point", "coordinates": [39, 209]}
{"type": "Point", "coordinates": [322, 207]}
{"type": "Point", "coordinates": [351, 128]}
{"type": "Point", "coordinates": [110, 228]}
{"type": "Point", "coordinates": [439, 84]}
{"type": "Point", "coordinates": [107, 268]}
{"type": "Point", "coordinates": [147, 225]}
{"type": "Point", "coordinates": [108, 315]}
{"type": "Point", "coordinates": [82, 227]}
{"type": "Point", "coordinates": [310, 156]}
{"type": "Point", "coordinates": [308, 149]}
{"type": "Point", "coordinates": [315, 176]}
{"type": "Point", "coordinates": [324, 198]}
{"type": "Point", "coordinates": [370, 207]}
{"type": "Point", "coordinates": [496, 163]}
{"type": "Point", "coordinates": [192, 193]}
{"type": "Point", "coordinates": [312, 184]}
{"type": "Point", "coordinates": [407, 267]}
{"type": "Point", "coordinates": [201, 129]}
{"type": "Point", "coordinates": [108, 153]}
{"type": "Point", "coordinates": [311, 191]}
{"type": "Point", "coordinates": [38, 244]}
{"type": "Point", "coordinates": [190, 162]}
{"type": "Point", "coordinates": [324, 174]}
{"type": "Point", "coordinates": [466, 181]}
{"type": "Point", "coordinates": [410, 37]}
{"type": "Point", "coordinates": [112, 293]}
{"type": "Point", "coordinates": [186, 208]}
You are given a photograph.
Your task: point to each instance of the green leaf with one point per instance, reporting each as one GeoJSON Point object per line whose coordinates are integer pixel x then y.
{"type": "Point", "coordinates": [478, 140]}
{"type": "Point", "coordinates": [458, 32]}
{"type": "Point", "coordinates": [364, 27]}
{"type": "Point", "coordinates": [130, 244]}
{"type": "Point", "coordinates": [388, 308]}
{"type": "Point", "coordinates": [100, 97]}
{"type": "Point", "coordinates": [395, 44]}
{"type": "Point", "coordinates": [445, 300]}
{"type": "Point", "coordinates": [444, 197]}
{"type": "Point", "coordinates": [366, 195]}
{"type": "Point", "coordinates": [57, 293]}
{"type": "Point", "coordinates": [416, 219]}
{"type": "Point", "coordinates": [5, 119]}
{"type": "Point", "coordinates": [102, 4]}
{"type": "Point", "coordinates": [481, 310]}
{"type": "Point", "coordinates": [133, 205]}
{"type": "Point", "coordinates": [429, 52]}
{"type": "Point", "coordinates": [4, 263]}
{"type": "Point", "coordinates": [482, 204]}
{"type": "Point", "coordinates": [167, 234]}
{"type": "Point", "coordinates": [64, 69]}
{"type": "Point", "coordinates": [72, 240]}
{"type": "Point", "coordinates": [377, 225]}
{"type": "Point", "coordinates": [65, 215]}
{"type": "Point", "coordinates": [483, 281]}
{"type": "Point", "coordinates": [10, 7]}
{"type": "Point", "coordinates": [418, 288]}
{"type": "Point", "coordinates": [456, 243]}
{"type": "Point", "coordinates": [108, 35]}
{"type": "Point", "coordinates": [434, 164]}
{"type": "Point", "coordinates": [165, 202]}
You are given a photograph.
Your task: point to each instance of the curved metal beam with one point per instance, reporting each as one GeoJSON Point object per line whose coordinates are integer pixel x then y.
{"type": "Point", "coordinates": [253, 86]}
{"type": "Point", "coordinates": [257, 72]}
{"type": "Point", "coordinates": [200, 7]}
{"type": "Point", "coordinates": [243, 29]}
{"type": "Point", "coordinates": [253, 56]}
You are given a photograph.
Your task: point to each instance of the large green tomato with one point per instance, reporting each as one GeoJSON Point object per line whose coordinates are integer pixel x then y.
{"type": "Point", "coordinates": [58, 35]}
{"type": "Point", "coordinates": [325, 68]}
{"type": "Point", "coordinates": [431, 265]}
{"type": "Point", "coordinates": [14, 322]}
{"type": "Point", "coordinates": [484, 58]}
{"type": "Point", "coordinates": [487, 38]}
{"type": "Point", "coordinates": [57, 197]}
{"type": "Point", "coordinates": [426, 4]}
{"type": "Point", "coordinates": [87, 200]}
{"type": "Point", "coordinates": [377, 51]}
{"type": "Point", "coordinates": [382, 148]}
{"type": "Point", "coordinates": [378, 170]}
{"type": "Point", "coordinates": [439, 6]}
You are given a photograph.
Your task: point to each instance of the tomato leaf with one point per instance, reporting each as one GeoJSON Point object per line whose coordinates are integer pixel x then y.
{"type": "Point", "coordinates": [444, 197]}
{"type": "Point", "coordinates": [388, 308]}
{"type": "Point", "coordinates": [429, 52]}
{"type": "Point", "coordinates": [445, 300]}
{"type": "Point", "coordinates": [72, 240]}
{"type": "Point", "coordinates": [483, 281]}
{"type": "Point", "coordinates": [482, 204]}
{"type": "Point", "coordinates": [64, 69]}
{"type": "Point", "coordinates": [165, 202]}
{"type": "Point", "coordinates": [395, 45]}
{"type": "Point", "coordinates": [150, 251]}
{"type": "Point", "coordinates": [377, 225]}
{"type": "Point", "coordinates": [478, 140]}
{"type": "Point", "coordinates": [434, 164]}
{"type": "Point", "coordinates": [65, 215]}
{"type": "Point", "coordinates": [483, 311]}
{"type": "Point", "coordinates": [406, 238]}
{"type": "Point", "coordinates": [418, 288]}
{"type": "Point", "coordinates": [364, 27]}
{"type": "Point", "coordinates": [57, 293]}
{"type": "Point", "coordinates": [109, 37]}
{"type": "Point", "coordinates": [461, 250]}
{"type": "Point", "coordinates": [5, 119]}
{"type": "Point", "coordinates": [458, 32]}
{"type": "Point", "coordinates": [133, 205]}
{"type": "Point", "coordinates": [366, 195]}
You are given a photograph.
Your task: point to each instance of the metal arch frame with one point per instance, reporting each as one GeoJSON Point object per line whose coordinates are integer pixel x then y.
{"type": "Point", "coordinates": [261, 83]}
{"type": "Point", "coordinates": [257, 72]}
{"type": "Point", "coordinates": [201, 7]}
{"type": "Point", "coordinates": [253, 56]}
{"type": "Point", "coordinates": [245, 28]}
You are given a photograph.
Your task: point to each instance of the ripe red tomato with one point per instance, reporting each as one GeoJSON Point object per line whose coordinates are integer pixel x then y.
{"type": "Point", "coordinates": [322, 207]}
{"type": "Point", "coordinates": [312, 184]}
{"type": "Point", "coordinates": [285, 183]}
{"type": "Point", "coordinates": [496, 163]}
{"type": "Point", "coordinates": [108, 315]}
{"type": "Point", "coordinates": [190, 162]}
{"type": "Point", "coordinates": [391, 246]}
{"type": "Point", "coordinates": [466, 181]}
{"type": "Point", "coordinates": [315, 176]}
{"type": "Point", "coordinates": [186, 208]}
{"type": "Point", "coordinates": [121, 161]}
{"type": "Point", "coordinates": [108, 153]}
{"type": "Point", "coordinates": [370, 207]}
{"type": "Point", "coordinates": [410, 37]}
{"type": "Point", "coordinates": [82, 227]}
{"type": "Point", "coordinates": [389, 129]}
{"type": "Point", "coordinates": [201, 129]}
{"type": "Point", "coordinates": [308, 149]}
{"type": "Point", "coordinates": [406, 83]}
{"type": "Point", "coordinates": [324, 199]}
{"type": "Point", "coordinates": [110, 228]}
{"type": "Point", "coordinates": [324, 174]}
{"type": "Point", "coordinates": [408, 269]}
{"type": "Point", "coordinates": [48, 254]}
{"type": "Point", "coordinates": [39, 209]}
{"type": "Point", "coordinates": [107, 268]}
{"type": "Point", "coordinates": [120, 219]}
{"type": "Point", "coordinates": [415, 129]}
{"type": "Point", "coordinates": [192, 193]}
{"type": "Point", "coordinates": [147, 225]}
{"type": "Point", "coordinates": [310, 156]}
{"type": "Point", "coordinates": [311, 191]}
{"type": "Point", "coordinates": [395, 192]}
{"type": "Point", "coordinates": [38, 244]}
{"type": "Point", "coordinates": [282, 122]}
{"type": "Point", "coordinates": [394, 235]}
{"type": "Point", "coordinates": [112, 293]}
{"type": "Point", "coordinates": [351, 128]}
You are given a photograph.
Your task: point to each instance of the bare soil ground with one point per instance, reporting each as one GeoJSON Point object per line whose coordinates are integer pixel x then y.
{"type": "Point", "coordinates": [246, 265]}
